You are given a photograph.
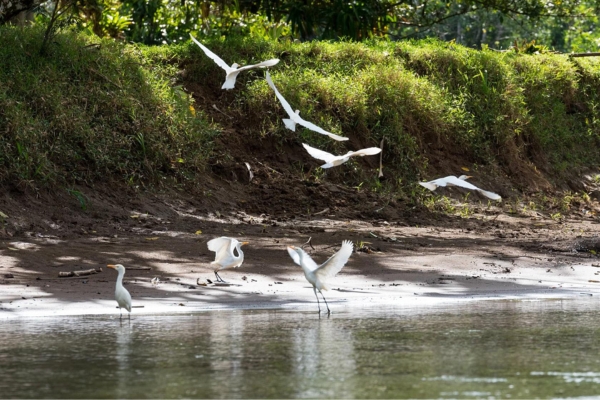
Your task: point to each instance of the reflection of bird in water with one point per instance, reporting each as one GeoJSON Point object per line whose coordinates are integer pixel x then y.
{"type": "Point", "coordinates": [225, 256]}
{"type": "Point", "coordinates": [121, 294]}
{"type": "Point", "coordinates": [316, 275]}
{"type": "Point", "coordinates": [333, 161]}
{"type": "Point", "coordinates": [295, 118]}
{"type": "Point", "coordinates": [461, 182]}
{"type": "Point", "coordinates": [233, 71]}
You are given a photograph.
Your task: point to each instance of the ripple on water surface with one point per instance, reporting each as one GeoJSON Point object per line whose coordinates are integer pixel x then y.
{"type": "Point", "coordinates": [499, 349]}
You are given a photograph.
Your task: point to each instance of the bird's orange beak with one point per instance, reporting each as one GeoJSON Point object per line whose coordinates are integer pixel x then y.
{"type": "Point", "coordinates": [112, 266]}
{"type": "Point", "coordinates": [292, 247]}
{"type": "Point", "coordinates": [243, 243]}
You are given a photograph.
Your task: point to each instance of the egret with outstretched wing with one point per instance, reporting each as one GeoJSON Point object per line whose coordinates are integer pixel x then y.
{"type": "Point", "coordinates": [317, 275]}
{"type": "Point", "coordinates": [461, 181]}
{"type": "Point", "coordinates": [225, 257]}
{"type": "Point", "coordinates": [294, 116]}
{"type": "Point", "coordinates": [333, 161]}
{"type": "Point", "coordinates": [233, 70]}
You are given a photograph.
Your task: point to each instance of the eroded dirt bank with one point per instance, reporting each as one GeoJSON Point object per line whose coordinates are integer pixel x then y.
{"type": "Point", "coordinates": [417, 260]}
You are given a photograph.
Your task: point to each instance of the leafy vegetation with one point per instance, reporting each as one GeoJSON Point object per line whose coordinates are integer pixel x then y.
{"type": "Point", "coordinates": [563, 25]}
{"type": "Point", "coordinates": [92, 110]}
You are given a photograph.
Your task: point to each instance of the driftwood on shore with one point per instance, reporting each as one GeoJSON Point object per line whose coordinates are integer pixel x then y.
{"type": "Point", "coordinates": [584, 55]}
{"type": "Point", "coordinates": [79, 273]}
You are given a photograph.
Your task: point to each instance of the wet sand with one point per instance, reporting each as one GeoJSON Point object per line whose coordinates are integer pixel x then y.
{"type": "Point", "coordinates": [397, 266]}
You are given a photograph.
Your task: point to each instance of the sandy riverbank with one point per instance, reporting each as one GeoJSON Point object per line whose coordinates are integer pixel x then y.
{"type": "Point", "coordinates": [411, 266]}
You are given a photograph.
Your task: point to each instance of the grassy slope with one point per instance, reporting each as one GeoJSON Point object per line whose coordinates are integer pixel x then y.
{"type": "Point", "coordinates": [85, 114]}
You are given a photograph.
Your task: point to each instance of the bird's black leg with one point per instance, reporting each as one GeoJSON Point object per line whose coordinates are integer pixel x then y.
{"type": "Point", "coordinates": [318, 304]}
{"type": "Point", "coordinates": [328, 310]}
{"type": "Point", "coordinates": [121, 315]}
{"type": "Point", "coordinates": [218, 277]}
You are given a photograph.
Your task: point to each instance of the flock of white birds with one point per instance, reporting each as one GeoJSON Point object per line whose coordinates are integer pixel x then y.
{"type": "Point", "coordinates": [228, 251]}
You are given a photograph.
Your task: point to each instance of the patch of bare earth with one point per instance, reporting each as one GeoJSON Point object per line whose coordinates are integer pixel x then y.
{"type": "Point", "coordinates": [404, 258]}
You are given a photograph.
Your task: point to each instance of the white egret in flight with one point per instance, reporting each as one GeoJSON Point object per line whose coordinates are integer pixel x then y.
{"type": "Point", "coordinates": [317, 275]}
{"type": "Point", "coordinates": [233, 71]}
{"type": "Point", "coordinates": [295, 116]}
{"type": "Point", "coordinates": [121, 294]}
{"type": "Point", "coordinates": [225, 256]}
{"type": "Point", "coordinates": [461, 182]}
{"type": "Point", "coordinates": [334, 161]}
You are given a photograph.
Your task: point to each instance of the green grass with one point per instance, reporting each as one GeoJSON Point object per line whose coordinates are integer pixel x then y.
{"type": "Point", "coordinates": [87, 113]}
{"type": "Point", "coordinates": [83, 114]}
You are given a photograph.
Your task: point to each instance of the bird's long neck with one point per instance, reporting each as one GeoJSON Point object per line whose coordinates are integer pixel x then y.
{"type": "Point", "coordinates": [240, 253]}
{"type": "Point", "coordinates": [304, 268]}
{"type": "Point", "coordinates": [120, 278]}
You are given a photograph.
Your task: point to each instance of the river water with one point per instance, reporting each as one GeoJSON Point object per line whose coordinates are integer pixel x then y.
{"type": "Point", "coordinates": [491, 349]}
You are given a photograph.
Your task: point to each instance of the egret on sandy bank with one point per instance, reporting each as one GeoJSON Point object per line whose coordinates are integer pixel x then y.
{"type": "Point", "coordinates": [295, 116]}
{"type": "Point", "coordinates": [460, 181]}
{"type": "Point", "coordinates": [121, 294]}
{"type": "Point", "coordinates": [317, 275]}
{"type": "Point", "coordinates": [225, 256]}
{"type": "Point", "coordinates": [334, 161]}
{"type": "Point", "coordinates": [233, 71]}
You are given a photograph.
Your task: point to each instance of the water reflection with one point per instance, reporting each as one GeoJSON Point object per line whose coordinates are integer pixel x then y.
{"type": "Point", "coordinates": [489, 349]}
{"type": "Point", "coordinates": [323, 352]}
{"type": "Point", "coordinates": [123, 351]}
{"type": "Point", "coordinates": [227, 347]}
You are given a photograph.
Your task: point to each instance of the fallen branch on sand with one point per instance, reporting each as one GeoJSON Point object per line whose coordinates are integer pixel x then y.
{"type": "Point", "coordinates": [79, 273]}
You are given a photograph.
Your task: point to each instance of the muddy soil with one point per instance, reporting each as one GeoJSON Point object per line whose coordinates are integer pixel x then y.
{"type": "Point", "coordinates": [414, 258]}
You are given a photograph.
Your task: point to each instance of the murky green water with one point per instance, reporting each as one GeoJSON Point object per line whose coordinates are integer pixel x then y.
{"type": "Point", "coordinates": [485, 349]}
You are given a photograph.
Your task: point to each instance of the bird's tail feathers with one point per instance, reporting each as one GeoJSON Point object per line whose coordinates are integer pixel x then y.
{"type": "Point", "coordinates": [328, 165]}
{"type": "Point", "coordinates": [290, 124]}
{"type": "Point", "coordinates": [337, 137]}
{"type": "Point", "coordinates": [427, 185]}
{"type": "Point", "coordinates": [491, 195]}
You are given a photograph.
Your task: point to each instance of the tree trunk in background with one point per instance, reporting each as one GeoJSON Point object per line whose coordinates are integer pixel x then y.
{"type": "Point", "coordinates": [10, 8]}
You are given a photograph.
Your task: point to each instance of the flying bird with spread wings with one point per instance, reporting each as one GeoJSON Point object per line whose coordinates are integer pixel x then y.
{"type": "Point", "coordinates": [294, 116]}
{"type": "Point", "coordinates": [233, 70]}
{"type": "Point", "coordinates": [461, 181]}
{"type": "Point", "coordinates": [333, 161]}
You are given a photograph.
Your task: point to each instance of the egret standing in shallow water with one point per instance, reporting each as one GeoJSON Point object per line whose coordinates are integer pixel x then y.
{"type": "Point", "coordinates": [233, 71]}
{"type": "Point", "coordinates": [294, 117]}
{"type": "Point", "coordinates": [225, 256]}
{"type": "Point", "coordinates": [121, 294]}
{"type": "Point", "coordinates": [316, 275]}
{"type": "Point", "coordinates": [461, 182]}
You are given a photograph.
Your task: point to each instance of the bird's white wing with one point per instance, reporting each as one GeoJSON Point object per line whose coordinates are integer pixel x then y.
{"type": "Point", "coordinates": [490, 195]}
{"type": "Point", "coordinates": [429, 185]}
{"type": "Point", "coordinates": [284, 103]}
{"type": "Point", "coordinates": [222, 246]}
{"type": "Point", "coordinates": [337, 261]}
{"type": "Point", "coordinates": [212, 55]}
{"type": "Point", "coordinates": [452, 180]}
{"type": "Point", "coordinates": [294, 255]}
{"type": "Point", "coordinates": [313, 127]}
{"type": "Point", "coordinates": [309, 263]}
{"type": "Point", "coordinates": [319, 154]}
{"type": "Point", "coordinates": [371, 151]}
{"type": "Point", "coordinates": [268, 63]}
